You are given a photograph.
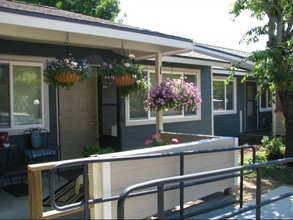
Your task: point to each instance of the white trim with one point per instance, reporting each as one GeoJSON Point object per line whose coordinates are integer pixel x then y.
{"type": "Point", "coordinates": [27, 61]}
{"type": "Point", "coordinates": [212, 103]}
{"type": "Point", "coordinates": [266, 109]}
{"type": "Point", "coordinates": [167, 119]}
{"type": "Point", "coordinates": [227, 72]}
{"type": "Point", "coordinates": [226, 112]}
{"type": "Point", "coordinates": [274, 119]}
{"type": "Point", "coordinates": [196, 61]}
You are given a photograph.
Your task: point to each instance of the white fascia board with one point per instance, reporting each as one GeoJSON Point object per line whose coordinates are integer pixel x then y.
{"type": "Point", "coordinates": [194, 61]}
{"type": "Point", "coordinates": [235, 59]}
{"type": "Point", "coordinates": [227, 72]}
{"type": "Point", "coordinates": [87, 29]}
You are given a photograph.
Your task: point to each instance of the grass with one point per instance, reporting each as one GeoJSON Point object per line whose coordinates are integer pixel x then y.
{"type": "Point", "coordinates": [281, 173]}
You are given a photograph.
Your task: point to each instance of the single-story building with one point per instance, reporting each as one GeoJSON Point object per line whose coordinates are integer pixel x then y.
{"type": "Point", "coordinates": [90, 113]}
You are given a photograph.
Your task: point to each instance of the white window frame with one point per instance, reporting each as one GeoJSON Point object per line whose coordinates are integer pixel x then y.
{"type": "Point", "coordinates": [226, 112]}
{"type": "Point", "coordinates": [267, 108]}
{"type": "Point", "coordinates": [26, 61]}
{"type": "Point", "coordinates": [167, 119]}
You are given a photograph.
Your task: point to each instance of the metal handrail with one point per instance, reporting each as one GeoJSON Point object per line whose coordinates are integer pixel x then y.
{"type": "Point", "coordinates": [84, 163]}
{"type": "Point", "coordinates": [159, 183]}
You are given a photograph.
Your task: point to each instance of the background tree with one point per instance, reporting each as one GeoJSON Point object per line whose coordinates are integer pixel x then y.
{"type": "Point", "coordinates": [273, 66]}
{"type": "Point", "coordinates": [105, 9]}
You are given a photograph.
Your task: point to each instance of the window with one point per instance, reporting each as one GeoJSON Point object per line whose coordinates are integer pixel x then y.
{"type": "Point", "coordinates": [224, 99]}
{"type": "Point", "coordinates": [136, 115]}
{"type": "Point", "coordinates": [21, 95]}
{"type": "Point", "coordinates": [265, 101]}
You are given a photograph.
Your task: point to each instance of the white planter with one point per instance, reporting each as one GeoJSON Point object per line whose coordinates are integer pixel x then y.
{"type": "Point", "coordinates": [114, 177]}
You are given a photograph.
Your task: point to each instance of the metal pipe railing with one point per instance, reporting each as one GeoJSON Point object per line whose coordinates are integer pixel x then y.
{"type": "Point", "coordinates": [163, 181]}
{"type": "Point", "coordinates": [85, 162]}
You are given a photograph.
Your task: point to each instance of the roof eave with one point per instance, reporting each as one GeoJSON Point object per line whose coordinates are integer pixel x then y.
{"type": "Point", "coordinates": [29, 26]}
{"type": "Point", "coordinates": [234, 59]}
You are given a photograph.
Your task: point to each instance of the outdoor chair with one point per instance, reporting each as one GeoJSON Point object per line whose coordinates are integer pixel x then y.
{"type": "Point", "coordinates": [37, 147]}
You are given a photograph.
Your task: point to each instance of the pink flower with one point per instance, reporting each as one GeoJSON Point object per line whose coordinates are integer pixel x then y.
{"type": "Point", "coordinates": [147, 142]}
{"type": "Point", "coordinates": [175, 141]}
{"type": "Point", "coordinates": [154, 136]}
{"type": "Point", "coordinates": [131, 56]}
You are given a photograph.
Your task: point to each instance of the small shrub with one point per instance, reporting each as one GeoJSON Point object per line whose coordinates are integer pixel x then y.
{"type": "Point", "coordinates": [274, 148]}
{"type": "Point", "coordinates": [259, 158]}
{"type": "Point", "coordinates": [94, 149]}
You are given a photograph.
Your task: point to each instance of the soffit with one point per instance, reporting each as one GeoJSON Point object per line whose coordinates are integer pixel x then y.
{"type": "Point", "coordinates": [49, 25]}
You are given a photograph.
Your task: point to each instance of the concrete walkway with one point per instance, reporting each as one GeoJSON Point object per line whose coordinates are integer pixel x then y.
{"type": "Point", "coordinates": [282, 209]}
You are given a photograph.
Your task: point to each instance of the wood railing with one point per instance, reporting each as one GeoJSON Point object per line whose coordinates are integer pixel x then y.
{"type": "Point", "coordinates": [36, 195]}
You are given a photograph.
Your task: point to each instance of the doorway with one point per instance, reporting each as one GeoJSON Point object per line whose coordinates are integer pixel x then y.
{"type": "Point", "coordinates": [78, 117]}
{"type": "Point", "coordinates": [109, 116]}
{"type": "Point", "coordinates": [251, 107]}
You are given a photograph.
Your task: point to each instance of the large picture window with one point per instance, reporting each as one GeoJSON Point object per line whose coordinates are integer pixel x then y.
{"type": "Point", "coordinates": [224, 98]}
{"type": "Point", "coordinates": [136, 114]}
{"type": "Point", "coordinates": [21, 95]}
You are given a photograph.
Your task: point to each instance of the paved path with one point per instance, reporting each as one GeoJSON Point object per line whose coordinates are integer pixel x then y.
{"type": "Point", "coordinates": [282, 209]}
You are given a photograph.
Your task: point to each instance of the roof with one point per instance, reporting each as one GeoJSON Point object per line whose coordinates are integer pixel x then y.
{"type": "Point", "coordinates": [37, 23]}
{"type": "Point", "coordinates": [55, 13]}
{"type": "Point", "coordinates": [231, 55]}
{"type": "Point", "coordinates": [229, 51]}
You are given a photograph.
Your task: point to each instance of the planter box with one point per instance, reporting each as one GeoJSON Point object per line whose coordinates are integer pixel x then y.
{"type": "Point", "coordinates": [114, 177]}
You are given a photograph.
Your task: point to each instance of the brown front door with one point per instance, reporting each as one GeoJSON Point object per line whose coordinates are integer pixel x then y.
{"type": "Point", "coordinates": [77, 118]}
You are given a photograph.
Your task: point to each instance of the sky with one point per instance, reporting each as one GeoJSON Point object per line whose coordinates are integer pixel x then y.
{"type": "Point", "coordinates": [203, 21]}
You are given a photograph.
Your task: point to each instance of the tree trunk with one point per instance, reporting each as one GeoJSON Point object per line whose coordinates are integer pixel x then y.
{"type": "Point", "coordinates": [286, 98]}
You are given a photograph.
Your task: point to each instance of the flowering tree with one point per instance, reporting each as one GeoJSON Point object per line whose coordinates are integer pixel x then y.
{"type": "Point", "coordinates": [173, 94]}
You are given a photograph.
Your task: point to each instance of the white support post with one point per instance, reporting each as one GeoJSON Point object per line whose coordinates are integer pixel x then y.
{"type": "Point", "coordinates": [159, 114]}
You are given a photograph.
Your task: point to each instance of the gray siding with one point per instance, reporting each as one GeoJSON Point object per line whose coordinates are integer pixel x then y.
{"type": "Point", "coordinates": [229, 125]}
{"type": "Point", "coordinates": [45, 50]}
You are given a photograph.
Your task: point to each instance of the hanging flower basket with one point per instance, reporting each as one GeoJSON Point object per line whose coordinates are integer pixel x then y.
{"type": "Point", "coordinates": [173, 94]}
{"type": "Point", "coordinates": [64, 72]}
{"type": "Point", "coordinates": [125, 74]}
{"type": "Point", "coordinates": [68, 78]}
{"type": "Point", "coordinates": [123, 80]}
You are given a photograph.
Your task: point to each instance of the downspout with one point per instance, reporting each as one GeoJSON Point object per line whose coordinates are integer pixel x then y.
{"type": "Point", "coordinates": [274, 118]}
{"type": "Point", "coordinates": [212, 102]}
{"type": "Point", "coordinates": [159, 114]}
{"type": "Point", "coordinates": [58, 122]}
